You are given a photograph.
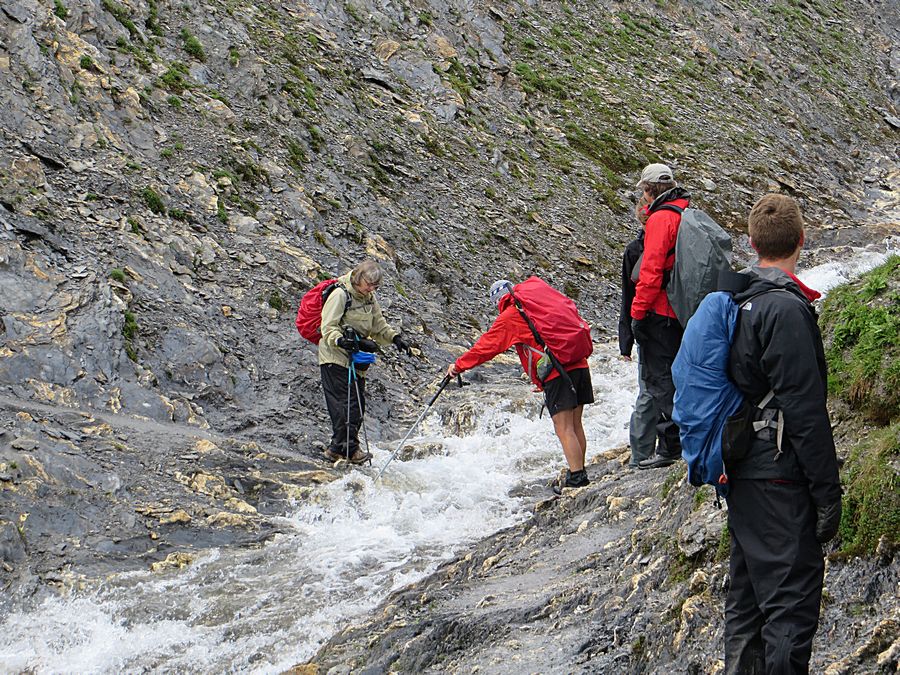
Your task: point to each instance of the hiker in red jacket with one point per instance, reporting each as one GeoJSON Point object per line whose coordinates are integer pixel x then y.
{"type": "Point", "coordinates": [655, 326]}
{"type": "Point", "coordinates": [565, 403]}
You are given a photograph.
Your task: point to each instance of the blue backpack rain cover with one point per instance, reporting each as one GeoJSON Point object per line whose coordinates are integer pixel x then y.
{"type": "Point", "coordinates": [704, 394]}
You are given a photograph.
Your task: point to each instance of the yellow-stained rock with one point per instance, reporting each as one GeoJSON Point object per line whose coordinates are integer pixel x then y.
{"type": "Point", "coordinates": [53, 393]}
{"type": "Point", "coordinates": [385, 49]}
{"type": "Point", "coordinates": [173, 561]}
{"type": "Point", "coordinates": [304, 669]}
{"type": "Point", "coordinates": [239, 505]}
{"type": "Point", "coordinates": [177, 516]}
{"type": "Point", "coordinates": [617, 504]}
{"type": "Point", "coordinates": [204, 446]}
{"type": "Point", "coordinates": [378, 248]}
{"type": "Point", "coordinates": [102, 429]}
{"type": "Point", "coordinates": [214, 486]}
{"type": "Point", "coordinates": [444, 49]}
{"type": "Point", "coordinates": [490, 562]}
{"type": "Point", "coordinates": [226, 519]}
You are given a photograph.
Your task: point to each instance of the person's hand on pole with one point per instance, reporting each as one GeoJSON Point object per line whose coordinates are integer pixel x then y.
{"type": "Point", "coordinates": [452, 370]}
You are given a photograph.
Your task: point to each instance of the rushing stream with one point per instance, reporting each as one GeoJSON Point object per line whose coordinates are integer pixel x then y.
{"type": "Point", "coordinates": [267, 609]}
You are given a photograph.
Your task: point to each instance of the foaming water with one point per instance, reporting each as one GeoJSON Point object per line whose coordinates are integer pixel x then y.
{"type": "Point", "coordinates": [347, 548]}
{"type": "Point", "coordinates": [855, 262]}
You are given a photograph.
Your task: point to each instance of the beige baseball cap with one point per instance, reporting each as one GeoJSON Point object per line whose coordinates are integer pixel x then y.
{"type": "Point", "coordinates": [656, 173]}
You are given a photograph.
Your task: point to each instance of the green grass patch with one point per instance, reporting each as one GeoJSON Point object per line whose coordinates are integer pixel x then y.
{"type": "Point", "coordinates": [535, 79]}
{"type": "Point", "coordinates": [863, 351]}
{"type": "Point", "coordinates": [130, 327]}
{"type": "Point", "coordinates": [123, 16]}
{"type": "Point", "coordinates": [192, 45]}
{"type": "Point", "coordinates": [871, 504]}
{"type": "Point", "coordinates": [174, 78]}
{"type": "Point", "coordinates": [153, 201]}
{"type": "Point", "coordinates": [276, 302]}
{"type": "Point", "coordinates": [296, 154]}
{"type": "Point", "coordinates": [117, 274]}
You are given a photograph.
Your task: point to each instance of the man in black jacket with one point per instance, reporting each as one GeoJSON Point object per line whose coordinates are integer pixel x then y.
{"type": "Point", "coordinates": [784, 498]}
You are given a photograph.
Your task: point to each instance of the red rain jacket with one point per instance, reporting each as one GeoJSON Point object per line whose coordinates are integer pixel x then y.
{"type": "Point", "coordinates": [660, 233]}
{"type": "Point", "coordinates": [509, 329]}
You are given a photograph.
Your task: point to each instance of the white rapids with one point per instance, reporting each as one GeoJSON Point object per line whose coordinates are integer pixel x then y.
{"type": "Point", "coordinates": [346, 549]}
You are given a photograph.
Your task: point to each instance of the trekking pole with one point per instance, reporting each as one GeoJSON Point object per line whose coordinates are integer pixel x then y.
{"type": "Point", "coordinates": [362, 415]}
{"type": "Point", "coordinates": [347, 444]}
{"type": "Point", "coordinates": [444, 383]}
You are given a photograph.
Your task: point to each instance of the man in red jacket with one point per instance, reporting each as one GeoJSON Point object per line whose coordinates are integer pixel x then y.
{"type": "Point", "coordinates": [654, 324]}
{"type": "Point", "coordinates": [565, 403]}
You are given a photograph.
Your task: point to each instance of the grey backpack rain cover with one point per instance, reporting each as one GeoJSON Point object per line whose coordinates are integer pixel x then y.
{"type": "Point", "coordinates": [702, 250]}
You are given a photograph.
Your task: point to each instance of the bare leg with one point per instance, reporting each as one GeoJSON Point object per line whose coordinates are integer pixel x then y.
{"type": "Point", "coordinates": [564, 425]}
{"type": "Point", "coordinates": [579, 431]}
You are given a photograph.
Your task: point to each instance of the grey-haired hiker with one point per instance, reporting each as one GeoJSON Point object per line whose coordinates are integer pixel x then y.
{"type": "Point", "coordinates": [348, 328]}
{"type": "Point", "coordinates": [642, 424]}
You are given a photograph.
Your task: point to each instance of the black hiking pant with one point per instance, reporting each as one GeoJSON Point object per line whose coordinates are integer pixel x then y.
{"type": "Point", "coordinates": [658, 352]}
{"type": "Point", "coordinates": [776, 570]}
{"type": "Point", "coordinates": [343, 419]}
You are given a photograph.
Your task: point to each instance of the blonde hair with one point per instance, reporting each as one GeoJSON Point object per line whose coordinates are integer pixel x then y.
{"type": "Point", "coordinates": [640, 210]}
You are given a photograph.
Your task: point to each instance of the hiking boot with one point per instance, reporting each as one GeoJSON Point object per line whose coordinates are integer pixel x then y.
{"type": "Point", "coordinates": [361, 457]}
{"type": "Point", "coordinates": [358, 457]}
{"type": "Point", "coordinates": [573, 479]}
{"type": "Point", "coordinates": [333, 455]}
{"type": "Point", "coordinates": [657, 462]}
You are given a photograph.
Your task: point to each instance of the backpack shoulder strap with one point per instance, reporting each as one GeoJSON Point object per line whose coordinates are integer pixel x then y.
{"type": "Point", "coordinates": [669, 207]}
{"type": "Point", "coordinates": [348, 299]}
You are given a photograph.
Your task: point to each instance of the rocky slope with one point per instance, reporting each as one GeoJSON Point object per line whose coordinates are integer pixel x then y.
{"type": "Point", "coordinates": [173, 176]}
{"type": "Point", "coordinates": [628, 575]}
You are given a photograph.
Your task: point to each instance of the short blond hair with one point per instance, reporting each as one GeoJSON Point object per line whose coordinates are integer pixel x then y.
{"type": "Point", "coordinates": [775, 226]}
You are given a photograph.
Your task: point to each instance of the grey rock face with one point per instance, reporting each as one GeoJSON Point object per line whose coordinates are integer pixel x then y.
{"type": "Point", "coordinates": [165, 203]}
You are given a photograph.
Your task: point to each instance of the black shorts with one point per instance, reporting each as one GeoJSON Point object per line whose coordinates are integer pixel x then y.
{"type": "Point", "coordinates": [558, 396]}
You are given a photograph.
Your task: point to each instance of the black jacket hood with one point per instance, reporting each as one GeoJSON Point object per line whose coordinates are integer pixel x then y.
{"type": "Point", "coordinates": [669, 196]}
{"type": "Point", "coordinates": [763, 279]}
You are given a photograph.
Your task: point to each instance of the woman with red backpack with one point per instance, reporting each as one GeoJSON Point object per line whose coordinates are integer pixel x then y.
{"type": "Point", "coordinates": [553, 343]}
{"type": "Point", "coordinates": [352, 329]}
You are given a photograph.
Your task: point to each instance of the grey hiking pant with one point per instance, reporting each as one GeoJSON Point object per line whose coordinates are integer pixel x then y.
{"type": "Point", "coordinates": [642, 426]}
{"type": "Point", "coordinates": [658, 353]}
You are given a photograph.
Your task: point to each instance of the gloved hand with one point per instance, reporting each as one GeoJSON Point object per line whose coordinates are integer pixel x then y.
{"type": "Point", "coordinates": [828, 518]}
{"type": "Point", "coordinates": [367, 345]}
{"type": "Point", "coordinates": [640, 330]}
{"type": "Point", "coordinates": [346, 343]}
{"type": "Point", "coordinates": [402, 345]}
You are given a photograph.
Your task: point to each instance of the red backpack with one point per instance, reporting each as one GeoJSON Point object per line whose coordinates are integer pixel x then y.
{"type": "Point", "coordinates": [554, 320]}
{"type": "Point", "coordinates": [309, 316]}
